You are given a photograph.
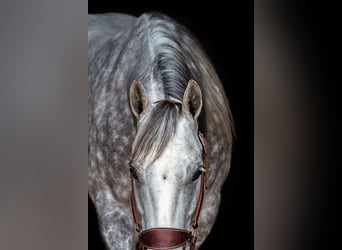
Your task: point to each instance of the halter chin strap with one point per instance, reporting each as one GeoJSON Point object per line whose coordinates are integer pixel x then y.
{"type": "Point", "coordinates": [165, 237]}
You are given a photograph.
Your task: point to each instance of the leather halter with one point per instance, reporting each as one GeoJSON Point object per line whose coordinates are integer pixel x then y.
{"type": "Point", "coordinates": [168, 237]}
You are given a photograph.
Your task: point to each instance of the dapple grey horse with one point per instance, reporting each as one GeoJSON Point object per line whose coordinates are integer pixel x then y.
{"type": "Point", "coordinates": [160, 133]}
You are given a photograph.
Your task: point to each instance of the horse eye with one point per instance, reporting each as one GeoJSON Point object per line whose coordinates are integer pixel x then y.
{"type": "Point", "coordinates": [196, 175]}
{"type": "Point", "coordinates": [133, 171]}
{"type": "Point", "coordinates": [198, 172]}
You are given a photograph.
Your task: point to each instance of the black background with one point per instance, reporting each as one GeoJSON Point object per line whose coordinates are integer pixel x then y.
{"type": "Point", "coordinates": [226, 32]}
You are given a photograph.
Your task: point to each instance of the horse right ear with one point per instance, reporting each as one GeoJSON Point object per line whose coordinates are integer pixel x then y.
{"type": "Point", "coordinates": [137, 98]}
{"type": "Point", "coordinates": [192, 99]}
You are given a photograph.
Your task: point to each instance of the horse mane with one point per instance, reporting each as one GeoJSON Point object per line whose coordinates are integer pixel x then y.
{"type": "Point", "coordinates": [168, 54]}
{"type": "Point", "coordinates": [174, 63]}
{"type": "Point", "coordinates": [158, 129]}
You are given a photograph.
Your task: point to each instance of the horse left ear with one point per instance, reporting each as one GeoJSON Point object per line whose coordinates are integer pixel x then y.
{"type": "Point", "coordinates": [137, 98]}
{"type": "Point", "coordinates": [192, 99]}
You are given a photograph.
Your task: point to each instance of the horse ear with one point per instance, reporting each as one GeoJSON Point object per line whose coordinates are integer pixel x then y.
{"type": "Point", "coordinates": [137, 98]}
{"type": "Point", "coordinates": [192, 99]}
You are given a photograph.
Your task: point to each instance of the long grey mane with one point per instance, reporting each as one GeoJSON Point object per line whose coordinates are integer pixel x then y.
{"type": "Point", "coordinates": [169, 55]}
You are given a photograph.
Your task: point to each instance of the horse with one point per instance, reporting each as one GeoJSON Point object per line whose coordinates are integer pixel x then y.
{"type": "Point", "coordinates": [160, 132]}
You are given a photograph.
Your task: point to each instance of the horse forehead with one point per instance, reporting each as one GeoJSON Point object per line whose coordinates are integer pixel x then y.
{"type": "Point", "coordinates": [173, 157]}
{"type": "Point", "coordinates": [178, 156]}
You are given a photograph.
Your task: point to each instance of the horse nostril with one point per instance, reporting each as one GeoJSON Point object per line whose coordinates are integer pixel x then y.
{"type": "Point", "coordinates": [164, 177]}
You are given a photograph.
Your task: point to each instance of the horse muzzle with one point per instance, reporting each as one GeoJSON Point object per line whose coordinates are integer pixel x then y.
{"type": "Point", "coordinates": [165, 238]}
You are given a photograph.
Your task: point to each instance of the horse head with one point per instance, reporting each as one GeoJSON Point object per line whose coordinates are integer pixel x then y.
{"type": "Point", "coordinates": [168, 168]}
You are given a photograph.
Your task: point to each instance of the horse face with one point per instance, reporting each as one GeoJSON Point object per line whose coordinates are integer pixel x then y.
{"type": "Point", "coordinates": [167, 160]}
{"type": "Point", "coordinates": [167, 190]}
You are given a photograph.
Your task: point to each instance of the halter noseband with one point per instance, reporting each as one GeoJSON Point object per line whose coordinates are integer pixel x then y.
{"type": "Point", "coordinates": [168, 237]}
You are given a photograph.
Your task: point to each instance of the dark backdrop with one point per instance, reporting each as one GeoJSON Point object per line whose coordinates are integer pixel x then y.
{"type": "Point", "coordinates": [225, 31]}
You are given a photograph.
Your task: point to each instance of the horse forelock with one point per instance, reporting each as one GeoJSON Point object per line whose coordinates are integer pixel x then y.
{"type": "Point", "coordinates": [155, 133]}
